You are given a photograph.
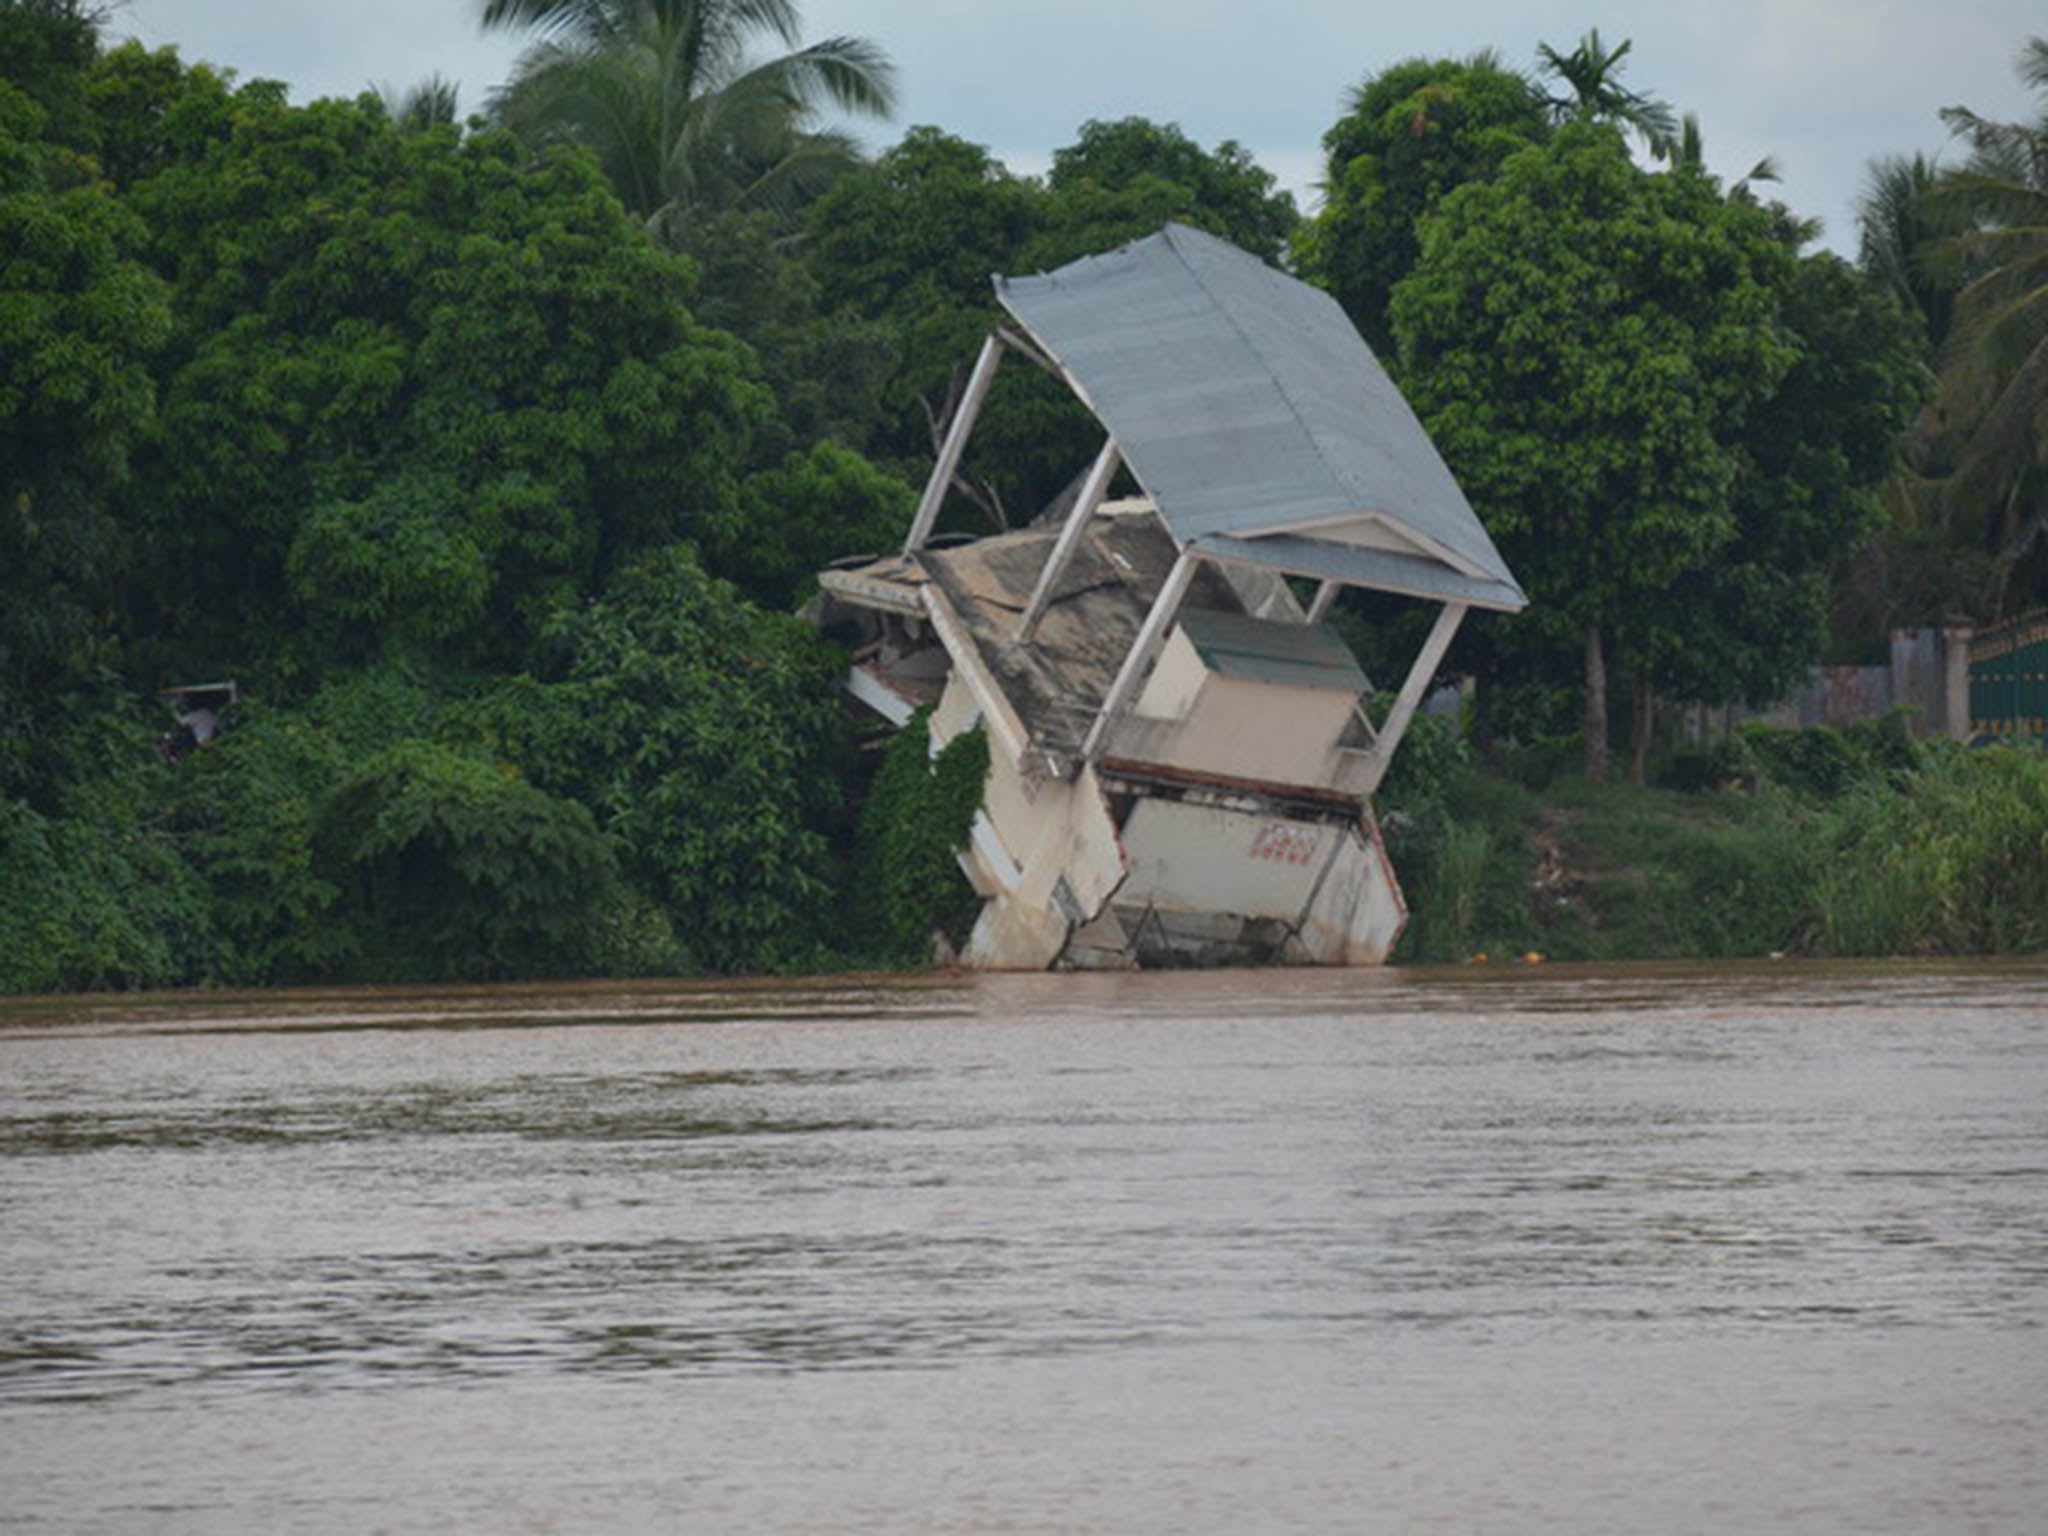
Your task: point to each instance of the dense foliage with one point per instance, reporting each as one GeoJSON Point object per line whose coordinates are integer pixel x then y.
{"type": "Point", "coordinates": [404, 429]}
{"type": "Point", "coordinates": [489, 459]}
{"type": "Point", "coordinates": [423, 391]}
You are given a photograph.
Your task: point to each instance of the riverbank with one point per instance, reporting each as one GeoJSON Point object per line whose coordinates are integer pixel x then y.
{"type": "Point", "coordinates": [1861, 842]}
{"type": "Point", "coordinates": [1817, 842]}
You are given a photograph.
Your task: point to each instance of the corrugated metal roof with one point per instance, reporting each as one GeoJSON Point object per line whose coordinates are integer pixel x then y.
{"type": "Point", "coordinates": [1246, 404]}
{"type": "Point", "coordinates": [1265, 651]}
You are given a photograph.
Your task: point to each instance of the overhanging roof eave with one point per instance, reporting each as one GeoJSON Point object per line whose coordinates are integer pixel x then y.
{"type": "Point", "coordinates": [1378, 570]}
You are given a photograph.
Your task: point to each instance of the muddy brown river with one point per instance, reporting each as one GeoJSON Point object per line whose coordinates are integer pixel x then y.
{"type": "Point", "coordinates": [1646, 1249]}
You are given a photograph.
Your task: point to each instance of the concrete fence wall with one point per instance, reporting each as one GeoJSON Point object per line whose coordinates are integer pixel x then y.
{"type": "Point", "coordinates": [1929, 674]}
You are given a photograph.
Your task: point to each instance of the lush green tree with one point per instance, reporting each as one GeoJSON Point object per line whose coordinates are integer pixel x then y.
{"type": "Point", "coordinates": [80, 323]}
{"type": "Point", "coordinates": [1120, 181]}
{"type": "Point", "coordinates": [97, 895]}
{"type": "Point", "coordinates": [1585, 341]}
{"type": "Point", "coordinates": [362, 412]}
{"type": "Point", "coordinates": [1896, 222]}
{"type": "Point", "coordinates": [423, 391]}
{"type": "Point", "coordinates": [1409, 135]}
{"type": "Point", "coordinates": [245, 812]}
{"type": "Point", "coordinates": [830, 370]}
{"type": "Point", "coordinates": [705, 735]}
{"type": "Point", "coordinates": [46, 49]}
{"type": "Point", "coordinates": [152, 110]}
{"type": "Point", "coordinates": [819, 505]}
{"type": "Point", "coordinates": [921, 229]}
{"type": "Point", "coordinates": [682, 116]}
{"type": "Point", "coordinates": [1814, 459]}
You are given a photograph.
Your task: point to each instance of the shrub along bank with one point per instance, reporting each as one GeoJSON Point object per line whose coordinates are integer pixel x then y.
{"type": "Point", "coordinates": [1817, 842]}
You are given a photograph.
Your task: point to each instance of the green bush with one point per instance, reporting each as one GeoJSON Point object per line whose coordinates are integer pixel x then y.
{"type": "Point", "coordinates": [1818, 762]}
{"type": "Point", "coordinates": [91, 905]}
{"type": "Point", "coordinates": [451, 866]}
{"type": "Point", "coordinates": [1695, 767]}
{"type": "Point", "coordinates": [246, 808]}
{"type": "Point", "coordinates": [1886, 743]}
{"type": "Point", "coordinates": [708, 738]}
{"type": "Point", "coordinates": [1543, 760]}
{"type": "Point", "coordinates": [96, 894]}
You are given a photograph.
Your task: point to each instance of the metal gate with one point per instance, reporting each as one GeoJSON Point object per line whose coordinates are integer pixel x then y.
{"type": "Point", "coordinates": [2009, 679]}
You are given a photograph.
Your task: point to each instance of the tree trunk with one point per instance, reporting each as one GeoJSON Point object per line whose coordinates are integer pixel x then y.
{"type": "Point", "coordinates": [1595, 729]}
{"type": "Point", "coordinates": [1641, 718]}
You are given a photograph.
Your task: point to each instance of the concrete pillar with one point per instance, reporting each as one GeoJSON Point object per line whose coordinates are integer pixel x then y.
{"type": "Point", "coordinates": [1953, 716]}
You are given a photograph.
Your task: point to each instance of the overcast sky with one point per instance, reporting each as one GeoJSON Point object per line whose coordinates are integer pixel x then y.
{"type": "Point", "coordinates": [1821, 85]}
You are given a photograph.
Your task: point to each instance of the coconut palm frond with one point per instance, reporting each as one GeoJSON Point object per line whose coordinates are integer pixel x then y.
{"type": "Point", "coordinates": [1986, 435]}
{"type": "Point", "coordinates": [1897, 222]}
{"type": "Point", "coordinates": [1592, 74]}
{"type": "Point", "coordinates": [2032, 64]}
{"type": "Point", "coordinates": [547, 17]}
{"type": "Point", "coordinates": [430, 103]}
{"type": "Point", "coordinates": [670, 97]}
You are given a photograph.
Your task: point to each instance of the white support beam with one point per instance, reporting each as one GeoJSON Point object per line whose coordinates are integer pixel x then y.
{"type": "Point", "coordinates": [954, 443]}
{"type": "Point", "coordinates": [1092, 491]}
{"type": "Point", "coordinates": [1325, 600]}
{"type": "Point", "coordinates": [1151, 636]}
{"type": "Point", "coordinates": [1395, 726]}
{"type": "Point", "coordinates": [1025, 349]}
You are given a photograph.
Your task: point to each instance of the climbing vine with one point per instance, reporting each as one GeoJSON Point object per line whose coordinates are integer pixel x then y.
{"type": "Point", "coordinates": [908, 885]}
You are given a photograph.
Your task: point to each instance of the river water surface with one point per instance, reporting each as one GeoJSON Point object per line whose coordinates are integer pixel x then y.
{"type": "Point", "coordinates": [1556, 1249]}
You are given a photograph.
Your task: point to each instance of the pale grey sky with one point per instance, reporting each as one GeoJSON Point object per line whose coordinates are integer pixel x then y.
{"type": "Point", "coordinates": [1821, 85]}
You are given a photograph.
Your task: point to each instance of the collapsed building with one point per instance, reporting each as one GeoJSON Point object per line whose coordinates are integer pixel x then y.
{"type": "Point", "coordinates": [1181, 763]}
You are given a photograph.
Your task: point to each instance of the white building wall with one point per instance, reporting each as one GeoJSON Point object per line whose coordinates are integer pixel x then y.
{"type": "Point", "coordinates": [1191, 858]}
{"type": "Point", "coordinates": [1246, 730]}
{"type": "Point", "coordinates": [1176, 681]}
{"type": "Point", "coordinates": [1359, 912]}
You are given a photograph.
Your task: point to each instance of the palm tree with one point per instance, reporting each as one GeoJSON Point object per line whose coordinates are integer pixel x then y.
{"type": "Point", "coordinates": [681, 115]}
{"type": "Point", "coordinates": [1990, 424]}
{"type": "Point", "coordinates": [1592, 75]}
{"type": "Point", "coordinates": [432, 103]}
{"type": "Point", "coordinates": [1897, 222]}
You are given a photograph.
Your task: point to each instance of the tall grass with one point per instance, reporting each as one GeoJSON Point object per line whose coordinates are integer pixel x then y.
{"type": "Point", "coordinates": [1708, 876]}
{"type": "Point", "coordinates": [1953, 861]}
